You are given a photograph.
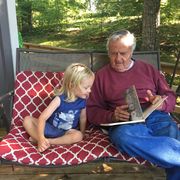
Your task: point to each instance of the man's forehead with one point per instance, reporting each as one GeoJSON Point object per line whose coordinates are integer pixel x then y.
{"type": "Point", "coordinates": [119, 47]}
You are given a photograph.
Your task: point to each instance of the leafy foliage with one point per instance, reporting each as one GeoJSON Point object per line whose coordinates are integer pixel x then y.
{"type": "Point", "coordinates": [72, 24]}
{"type": "Point", "coordinates": [120, 7]}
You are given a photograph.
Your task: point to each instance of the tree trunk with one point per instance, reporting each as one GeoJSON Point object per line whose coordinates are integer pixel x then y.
{"type": "Point", "coordinates": [27, 17]}
{"type": "Point", "coordinates": [151, 21]}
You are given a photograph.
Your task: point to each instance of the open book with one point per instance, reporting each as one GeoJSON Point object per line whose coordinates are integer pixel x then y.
{"type": "Point", "coordinates": [137, 115]}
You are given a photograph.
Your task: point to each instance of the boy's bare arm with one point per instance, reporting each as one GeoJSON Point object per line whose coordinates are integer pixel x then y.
{"type": "Point", "coordinates": [83, 121]}
{"type": "Point", "coordinates": [43, 118]}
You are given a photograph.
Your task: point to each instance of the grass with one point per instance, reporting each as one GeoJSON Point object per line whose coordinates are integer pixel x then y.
{"type": "Point", "coordinates": [91, 34]}
{"type": "Point", "coordinates": [88, 33]}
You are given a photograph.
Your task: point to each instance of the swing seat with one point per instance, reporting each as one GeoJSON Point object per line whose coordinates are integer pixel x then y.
{"type": "Point", "coordinates": [33, 92]}
{"type": "Point", "coordinates": [38, 73]}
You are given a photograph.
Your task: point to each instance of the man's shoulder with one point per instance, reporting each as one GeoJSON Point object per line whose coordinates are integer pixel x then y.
{"type": "Point", "coordinates": [142, 62]}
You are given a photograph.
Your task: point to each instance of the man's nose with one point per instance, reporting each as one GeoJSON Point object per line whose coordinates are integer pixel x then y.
{"type": "Point", "coordinates": [118, 55]}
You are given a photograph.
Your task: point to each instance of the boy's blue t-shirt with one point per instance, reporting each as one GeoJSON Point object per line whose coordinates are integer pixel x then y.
{"type": "Point", "coordinates": [67, 115]}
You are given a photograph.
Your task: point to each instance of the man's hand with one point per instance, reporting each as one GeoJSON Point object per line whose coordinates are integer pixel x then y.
{"type": "Point", "coordinates": [153, 98]}
{"type": "Point", "coordinates": [121, 114]}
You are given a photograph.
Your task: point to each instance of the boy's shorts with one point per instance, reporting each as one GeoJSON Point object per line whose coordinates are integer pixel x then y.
{"type": "Point", "coordinates": [52, 132]}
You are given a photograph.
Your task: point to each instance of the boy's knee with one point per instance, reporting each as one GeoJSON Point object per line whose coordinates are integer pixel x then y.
{"type": "Point", "coordinates": [26, 121]}
{"type": "Point", "coordinates": [77, 136]}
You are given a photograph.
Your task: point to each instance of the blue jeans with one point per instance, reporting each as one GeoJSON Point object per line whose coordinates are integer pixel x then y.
{"type": "Point", "coordinates": [157, 140]}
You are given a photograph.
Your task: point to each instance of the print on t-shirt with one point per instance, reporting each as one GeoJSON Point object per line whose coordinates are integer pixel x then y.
{"type": "Point", "coordinates": [64, 120]}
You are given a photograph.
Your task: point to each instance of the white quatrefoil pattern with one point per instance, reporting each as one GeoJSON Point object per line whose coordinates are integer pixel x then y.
{"type": "Point", "coordinates": [33, 92]}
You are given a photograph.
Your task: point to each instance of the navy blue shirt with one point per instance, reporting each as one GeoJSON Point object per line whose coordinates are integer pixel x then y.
{"type": "Point", "coordinates": [67, 115]}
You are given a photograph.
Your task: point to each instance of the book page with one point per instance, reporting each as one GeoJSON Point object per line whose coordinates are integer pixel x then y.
{"type": "Point", "coordinates": [123, 122]}
{"type": "Point", "coordinates": [134, 108]}
{"type": "Point", "coordinates": [153, 107]}
{"type": "Point", "coordinates": [137, 115]}
{"type": "Point", "coordinates": [133, 103]}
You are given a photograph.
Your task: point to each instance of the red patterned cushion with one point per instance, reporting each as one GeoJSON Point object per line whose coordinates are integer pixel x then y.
{"type": "Point", "coordinates": [33, 92]}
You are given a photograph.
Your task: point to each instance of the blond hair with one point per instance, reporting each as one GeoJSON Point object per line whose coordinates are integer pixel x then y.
{"type": "Point", "coordinates": [73, 76]}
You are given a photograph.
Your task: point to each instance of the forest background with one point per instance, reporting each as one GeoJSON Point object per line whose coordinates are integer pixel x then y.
{"type": "Point", "coordinates": [86, 24]}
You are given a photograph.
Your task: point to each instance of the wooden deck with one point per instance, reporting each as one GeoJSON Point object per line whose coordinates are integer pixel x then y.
{"type": "Point", "coordinates": [90, 171]}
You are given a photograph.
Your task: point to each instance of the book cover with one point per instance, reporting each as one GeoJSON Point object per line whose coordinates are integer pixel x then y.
{"type": "Point", "coordinates": [136, 113]}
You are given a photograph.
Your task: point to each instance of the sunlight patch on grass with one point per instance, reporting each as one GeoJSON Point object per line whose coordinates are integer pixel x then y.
{"type": "Point", "coordinates": [51, 43]}
{"type": "Point", "coordinates": [72, 29]}
{"type": "Point", "coordinates": [60, 43]}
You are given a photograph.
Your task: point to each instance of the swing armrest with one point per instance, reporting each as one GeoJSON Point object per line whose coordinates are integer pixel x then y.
{"type": "Point", "coordinates": [6, 108]}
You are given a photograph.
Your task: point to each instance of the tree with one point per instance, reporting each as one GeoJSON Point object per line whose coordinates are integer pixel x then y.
{"type": "Point", "coordinates": [151, 21]}
{"type": "Point", "coordinates": [24, 10]}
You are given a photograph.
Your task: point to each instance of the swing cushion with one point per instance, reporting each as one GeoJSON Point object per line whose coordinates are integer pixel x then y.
{"type": "Point", "coordinates": [33, 92]}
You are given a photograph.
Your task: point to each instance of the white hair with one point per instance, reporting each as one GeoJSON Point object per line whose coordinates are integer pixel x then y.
{"type": "Point", "coordinates": [127, 38]}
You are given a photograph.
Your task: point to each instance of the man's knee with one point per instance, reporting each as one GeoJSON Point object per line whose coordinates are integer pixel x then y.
{"type": "Point", "coordinates": [119, 134]}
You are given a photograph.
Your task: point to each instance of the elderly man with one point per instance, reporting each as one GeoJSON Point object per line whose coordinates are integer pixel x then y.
{"type": "Point", "coordinates": [158, 139]}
